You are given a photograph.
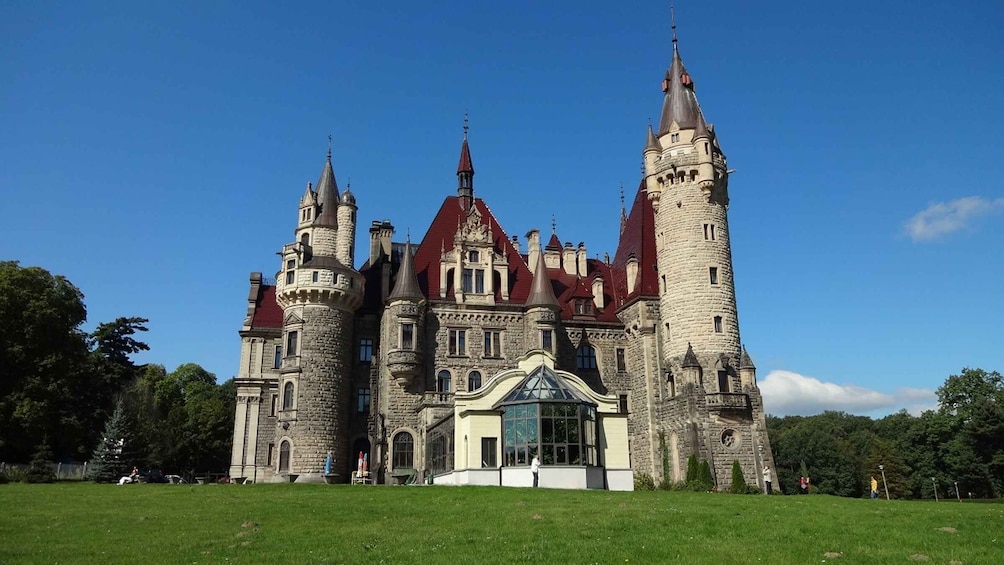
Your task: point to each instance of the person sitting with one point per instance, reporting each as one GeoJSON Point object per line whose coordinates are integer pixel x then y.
{"type": "Point", "coordinates": [132, 478]}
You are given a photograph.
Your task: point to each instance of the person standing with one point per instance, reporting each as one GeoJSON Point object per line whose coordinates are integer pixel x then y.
{"type": "Point", "coordinates": [766, 480]}
{"type": "Point", "coordinates": [535, 469]}
{"type": "Point", "coordinates": [874, 488]}
{"type": "Point", "coordinates": [803, 485]}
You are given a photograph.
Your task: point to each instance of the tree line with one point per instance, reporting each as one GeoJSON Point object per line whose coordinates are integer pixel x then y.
{"type": "Point", "coordinates": [60, 386]}
{"type": "Point", "coordinates": [956, 450]}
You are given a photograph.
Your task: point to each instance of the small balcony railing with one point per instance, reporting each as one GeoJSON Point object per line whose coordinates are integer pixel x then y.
{"type": "Point", "coordinates": [727, 401]}
{"type": "Point", "coordinates": [290, 363]}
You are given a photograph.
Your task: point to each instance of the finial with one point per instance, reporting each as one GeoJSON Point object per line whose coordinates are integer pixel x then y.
{"type": "Point", "coordinates": [554, 225]}
{"type": "Point", "coordinates": [467, 125]}
{"type": "Point", "coordinates": [408, 232]}
{"type": "Point", "coordinates": [348, 181]}
{"type": "Point", "coordinates": [672, 18]}
{"type": "Point", "coordinates": [329, 147]}
{"type": "Point", "coordinates": [622, 196]}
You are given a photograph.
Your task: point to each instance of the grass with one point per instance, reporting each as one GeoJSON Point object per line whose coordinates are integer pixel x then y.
{"type": "Point", "coordinates": [299, 524]}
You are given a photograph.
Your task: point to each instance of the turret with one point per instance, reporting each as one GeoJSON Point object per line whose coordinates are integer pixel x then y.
{"type": "Point", "coordinates": [347, 227]}
{"type": "Point", "coordinates": [542, 311]}
{"type": "Point", "coordinates": [465, 174]}
{"type": "Point", "coordinates": [324, 238]}
{"type": "Point", "coordinates": [747, 371]}
{"type": "Point", "coordinates": [692, 371]}
{"type": "Point", "coordinates": [406, 307]}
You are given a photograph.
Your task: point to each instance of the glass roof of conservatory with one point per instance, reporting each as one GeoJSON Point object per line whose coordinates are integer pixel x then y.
{"type": "Point", "coordinates": [543, 384]}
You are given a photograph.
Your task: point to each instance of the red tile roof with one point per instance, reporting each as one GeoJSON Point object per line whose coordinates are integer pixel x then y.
{"type": "Point", "coordinates": [554, 242]}
{"type": "Point", "coordinates": [267, 313]}
{"type": "Point", "coordinates": [637, 239]}
{"type": "Point", "coordinates": [465, 165]}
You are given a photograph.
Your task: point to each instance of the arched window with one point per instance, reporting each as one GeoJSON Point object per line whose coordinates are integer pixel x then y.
{"type": "Point", "coordinates": [287, 396]}
{"type": "Point", "coordinates": [404, 451]}
{"type": "Point", "coordinates": [305, 239]}
{"type": "Point", "coordinates": [443, 384]}
{"type": "Point", "coordinates": [474, 380]}
{"type": "Point", "coordinates": [586, 357]}
{"type": "Point", "coordinates": [284, 457]}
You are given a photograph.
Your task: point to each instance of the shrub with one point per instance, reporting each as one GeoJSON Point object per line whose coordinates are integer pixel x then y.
{"type": "Point", "coordinates": [644, 481]}
{"type": "Point", "coordinates": [692, 469]}
{"type": "Point", "coordinates": [738, 480]}
{"type": "Point", "coordinates": [704, 476]}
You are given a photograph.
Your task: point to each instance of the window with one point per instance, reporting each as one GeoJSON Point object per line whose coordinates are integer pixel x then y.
{"type": "Point", "coordinates": [546, 338]}
{"type": "Point", "coordinates": [473, 380]}
{"type": "Point", "coordinates": [458, 342]}
{"type": "Point", "coordinates": [363, 400]}
{"type": "Point", "coordinates": [723, 381]}
{"type": "Point", "coordinates": [290, 272]}
{"type": "Point", "coordinates": [489, 451]}
{"type": "Point", "coordinates": [277, 361]}
{"type": "Point", "coordinates": [585, 357]}
{"type": "Point", "coordinates": [274, 405]}
{"type": "Point", "coordinates": [291, 349]}
{"type": "Point", "coordinates": [621, 362]}
{"type": "Point", "coordinates": [674, 137]}
{"type": "Point", "coordinates": [284, 457]}
{"type": "Point", "coordinates": [287, 396]}
{"type": "Point", "coordinates": [365, 350]}
{"type": "Point", "coordinates": [479, 280]}
{"type": "Point", "coordinates": [473, 256]}
{"type": "Point", "coordinates": [467, 280]}
{"type": "Point", "coordinates": [270, 454]}
{"type": "Point", "coordinates": [407, 335]}
{"type": "Point", "coordinates": [709, 232]}
{"type": "Point", "coordinates": [493, 343]}
{"type": "Point", "coordinates": [622, 403]}
{"type": "Point", "coordinates": [443, 385]}
{"type": "Point", "coordinates": [305, 239]}
{"type": "Point", "coordinates": [313, 276]}
{"type": "Point", "coordinates": [718, 324]}
{"type": "Point", "coordinates": [404, 451]}
{"type": "Point", "coordinates": [713, 273]}
{"type": "Point", "coordinates": [705, 147]}
{"type": "Point", "coordinates": [671, 384]}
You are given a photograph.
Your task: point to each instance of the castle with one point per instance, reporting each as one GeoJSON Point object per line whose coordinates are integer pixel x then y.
{"type": "Point", "coordinates": [459, 359]}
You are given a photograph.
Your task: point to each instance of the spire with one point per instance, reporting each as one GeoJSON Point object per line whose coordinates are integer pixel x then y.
{"type": "Point", "coordinates": [680, 104]}
{"type": "Point", "coordinates": [624, 217]}
{"type": "Point", "coordinates": [745, 361]}
{"type": "Point", "coordinates": [327, 195]}
{"type": "Point", "coordinates": [690, 359]}
{"type": "Point", "coordinates": [406, 287]}
{"type": "Point", "coordinates": [702, 128]}
{"type": "Point", "coordinates": [651, 143]}
{"type": "Point", "coordinates": [465, 172]}
{"type": "Point", "coordinates": [541, 293]}
{"type": "Point", "coordinates": [308, 197]}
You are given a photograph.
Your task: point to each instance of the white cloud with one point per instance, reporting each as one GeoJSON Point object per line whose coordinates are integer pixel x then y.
{"type": "Point", "coordinates": [942, 218]}
{"type": "Point", "coordinates": [787, 393]}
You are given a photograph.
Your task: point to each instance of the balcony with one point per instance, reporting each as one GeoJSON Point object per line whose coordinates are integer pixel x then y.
{"type": "Point", "coordinates": [731, 401]}
{"type": "Point", "coordinates": [435, 400]}
{"type": "Point", "coordinates": [404, 365]}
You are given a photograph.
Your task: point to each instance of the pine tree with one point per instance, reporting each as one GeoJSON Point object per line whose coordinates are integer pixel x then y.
{"type": "Point", "coordinates": [704, 477]}
{"type": "Point", "coordinates": [110, 458]}
{"type": "Point", "coordinates": [738, 480]}
{"type": "Point", "coordinates": [40, 467]}
{"type": "Point", "coordinates": [692, 469]}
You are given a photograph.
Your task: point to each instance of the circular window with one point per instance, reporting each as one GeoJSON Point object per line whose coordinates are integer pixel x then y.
{"type": "Point", "coordinates": [730, 438]}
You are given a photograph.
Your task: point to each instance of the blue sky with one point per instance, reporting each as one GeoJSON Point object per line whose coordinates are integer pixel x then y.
{"type": "Point", "coordinates": [155, 154]}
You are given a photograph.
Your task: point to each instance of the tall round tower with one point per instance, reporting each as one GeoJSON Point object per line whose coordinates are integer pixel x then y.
{"type": "Point", "coordinates": [687, 180]}
{"type": "Point", "coordinates": [319, 295]}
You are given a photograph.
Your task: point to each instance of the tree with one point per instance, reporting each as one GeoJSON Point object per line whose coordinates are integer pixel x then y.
{"type": "Point", "coordinates": [40, 468]}
{"type": "Point", "coordinates": [738, 480]}
{"type": "Point", "coordinates": [115, 451]}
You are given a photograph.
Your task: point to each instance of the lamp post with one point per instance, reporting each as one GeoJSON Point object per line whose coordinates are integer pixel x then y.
{"type": "Point", "coordinates": [884, 484]}
{"type": "Point", "coordinates": [935, 482]}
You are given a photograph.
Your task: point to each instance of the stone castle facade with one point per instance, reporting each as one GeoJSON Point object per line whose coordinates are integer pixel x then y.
{"type": "Point", "coordinates": [338, 361]}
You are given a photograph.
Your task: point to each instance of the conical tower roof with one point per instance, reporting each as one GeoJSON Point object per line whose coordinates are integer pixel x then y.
{"type": "Point", "coordinates": [651, 143]}
{"type": "Point", "coordinates": [406, 287]}
{"type": "Point", "coordinates": [680, 104]}
{"type": "Point", "coordinates": [327, 197]}
{"type": "Point", "coordinates": [690, 359]}
{"type": "Point", "coordinates": [745, 361]}
{"type": "Point", "coordinates": [465, 165]}
{"type": "Point", "coordinates": [541, 292]}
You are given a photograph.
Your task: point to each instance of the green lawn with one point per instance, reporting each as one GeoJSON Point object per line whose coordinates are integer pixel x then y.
{"type": "Point", "coordinates": [298, 524]}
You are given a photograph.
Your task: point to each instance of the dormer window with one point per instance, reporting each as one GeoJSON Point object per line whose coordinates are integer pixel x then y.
{"type": "Point", "coordinates": [674, 137]}
{"type": "Point", "coordinates": [473, 256]}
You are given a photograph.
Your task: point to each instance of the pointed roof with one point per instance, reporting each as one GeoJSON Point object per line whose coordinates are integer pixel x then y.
{"type": "Point", "coordinates": [308, 198]}
{"type": "Point", "coordinates": [651, 143]}
{"type": "Point", "coordinates": [541, 292]}
{"type": "Point", "coordinates": [544, 384]}
{"type": "Point", "coordinates": [465, 165]}
{"type": "Point", "coordinates": [637, 240]}
{"type": "Point", "coordinates": [406, 287]}
{"type": "Point", "coordinates": [680, 104]}
{"type": "Point", "coordinates": [690, 359]}
{"type": "Point", "coordinates": [745, 361]}
{"type": "Point", "coordinates": [702, 128]}
{"type": "Point", "coordinates": [327, 197]}
{"type": "Point", "coordinates": [554, 242]}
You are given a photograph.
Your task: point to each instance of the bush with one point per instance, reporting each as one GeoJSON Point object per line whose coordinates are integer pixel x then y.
{"type": "Point", "coordinates": [692, 469]}
{"type": "Point", "coordinates": [644, 481]}
{"type": "Point", "coordinates": [738, 480]}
